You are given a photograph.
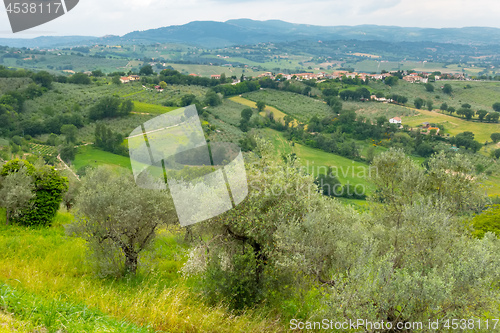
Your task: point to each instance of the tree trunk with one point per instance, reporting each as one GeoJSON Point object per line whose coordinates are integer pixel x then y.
{"type": "Point", "coordinates": [131, 262]}
{"type": "Point", "coordinates": [7, 217]}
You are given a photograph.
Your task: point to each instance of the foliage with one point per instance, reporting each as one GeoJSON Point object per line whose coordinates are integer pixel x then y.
{"type": "Point", "coordinates": [16, 193]}
{"type": "Point", "coordinates": [49, 187]}
{"type": "Point", "coordinates": [487, 221]}
{"type": "Point", "coordinates": [108, 140]}
{"type": "Point", "coordinates": [80, 78]}
{"type": "Point", "coordinates": [495, 137]}
{"type": "Point", "coordinates": [118, 219]}
{"type": "Point", "coordinates": [110, 107]}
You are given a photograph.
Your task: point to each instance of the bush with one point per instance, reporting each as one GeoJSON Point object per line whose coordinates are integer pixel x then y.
{"type": "Point", "coordinates": [49, 187]}
{"type": "Point", "coordinates": [232, 280]}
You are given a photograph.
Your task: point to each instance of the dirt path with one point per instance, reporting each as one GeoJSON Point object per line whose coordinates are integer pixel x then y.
{"type": "Point", "coordinates": [67, 167]}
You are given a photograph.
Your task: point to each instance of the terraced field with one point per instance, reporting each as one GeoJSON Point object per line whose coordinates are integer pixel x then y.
{"type": "Point", "coordinates": [299, 107]}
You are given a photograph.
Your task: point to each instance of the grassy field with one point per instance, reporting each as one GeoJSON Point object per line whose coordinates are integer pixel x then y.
{"type": "Point", "coordinates": [278, 115]}
{"type": "Point", "coordinates": [316, 161]}
{"type": "Point", "coordinates": [453, 125]}
{"type": "Point", "coordinates": [298, 106]}
{"type": "Point", "coordinates": [480, 95]}
{"type": "Point", "coordinates": [46, 285]}
{"type": "Point", "coordinates": [89, 156]}
{"type": "Point", "coordinates": [141, 107]}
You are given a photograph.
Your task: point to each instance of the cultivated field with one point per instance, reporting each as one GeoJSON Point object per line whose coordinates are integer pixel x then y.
{"type": "Point", "coordinates": [299, 107]}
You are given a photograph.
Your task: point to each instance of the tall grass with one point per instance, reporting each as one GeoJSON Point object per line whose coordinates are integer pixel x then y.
{"type": "Point", "coordinates": [46, 271]}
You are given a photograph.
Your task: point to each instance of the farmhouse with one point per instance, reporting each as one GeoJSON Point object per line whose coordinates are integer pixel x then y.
{"type": "Point", "coordinates": [395, 120]}
{"type": "Point", "coordinates": [216, 76]}
{"type": "Point", "coordinates": [125, 79]}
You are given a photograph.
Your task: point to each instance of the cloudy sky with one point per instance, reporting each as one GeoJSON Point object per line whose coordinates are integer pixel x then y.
{"type": "Point", "coordinates": [118, 17]}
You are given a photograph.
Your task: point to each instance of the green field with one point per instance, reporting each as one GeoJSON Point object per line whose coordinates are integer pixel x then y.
{"type": "Point", "coordinates": [89, 156]}
{"type": "Point", "coordinates": [140, 107]}
{"type": "Point", "coordinates": [46, 284]}
{"type": "Point", "coordinates": [278, 115]}
{"type": "Point", "coordinates": [454, 125]}
{"type": "Point", "coordinates": [316, 161]}
{"type": "Point", "coordinates": [298, 106]}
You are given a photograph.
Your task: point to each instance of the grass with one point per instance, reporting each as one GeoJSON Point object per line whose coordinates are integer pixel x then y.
{"type": "Point", "coordinates": [454, 125]}
{"type": "Point", "coordinates": [316, 161]}
{"type": "Point", "coordinates": [278, 115]}
{"type": "Point", "coordinates": [298, 106]}
{"type": "Point", "coordinates": [45, 280]}
{"type": "Point", "coordinates": [141, 107]}
{"type": "Point", "coordinates": [90, 156]}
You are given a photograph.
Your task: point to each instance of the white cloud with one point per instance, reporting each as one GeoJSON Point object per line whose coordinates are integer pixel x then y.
{"type": "Point", "coordinates": [98, 18]}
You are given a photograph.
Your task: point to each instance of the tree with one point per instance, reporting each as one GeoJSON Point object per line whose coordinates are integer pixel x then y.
{"type": "Point", "coordinates": [424, 149]}
{"type": "Point", "coordinates": [69, 198]}
{"type": "Point", "coordinates": [116, 80]}
{"type": "Point", "coordinates": [110, 107]}
{"type": "Point", "coordinates": [468, 113]}
{"type": "Point", "coordinates": [481, 114]}
{"type": "Point", "coordinates": [495, 116]}
{"type": "Point", "coordinates": [212, 98]}
{"type": "Point", "coordinates": [430, 104]}
{"type": "Point", "coordinates": [418, 102]}
{"type": "Point", "coordinates": [495, 137]}
{"type": "Point", "coordinates": [496, 106]}
{"type": "Point", "coordinates": [163, 85]}
{"type": "Point", "coordinates": [335, 103]}
{"type": "Point", "coordinates": [98, 73]}
{"type": "Point", "coordinates": [391, 80]}
{"type": "Point", "coordinates": [447, 89]}
{"type": "Point", "coordinates": [329, 184]}
{"type": "Point", "coordinates": [429, 87]}
{"type": "Point", "coordinates": [451, 109]}
{"type": "Point", "coordinates": [261, 106]}
{"type": "Point", "coordinates": [67, 153]}
{"type": "Point", "coordinates": [118, 219]}
{"type": "Point", "coordinates": [49, 187]}
{"type": "Point", "coordinates": [381, 120]}
{"type": "Point", "coordinates": [487, 221]}
{"type": "Point", "coordinates": [444, 107]}
{"type": "Point", "coordinates": [16, 193]}
{"type": "Point", "coordinates": [79, 78]}
{"type": "Point", "coordinates": [146, 70]}
{"type": "Point", "coordinates": [246, 114]}
{"type": "Point", "coordinates": [70, 132]}
{"type": "Point", "coordinates": [188, 99]}
{"type": "Point", "coordinates": [44, 78]}
{"type": "Point", "coordinates": [126, 107]}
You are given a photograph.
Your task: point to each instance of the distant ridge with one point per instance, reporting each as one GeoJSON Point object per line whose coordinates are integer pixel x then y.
{"type": "Point", "coordinates": [247, 31]}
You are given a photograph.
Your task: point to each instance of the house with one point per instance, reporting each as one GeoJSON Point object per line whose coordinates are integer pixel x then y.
{"type": "Point", "coordinates": [395, 120]}
{"type": "Point", "coordinates": [158, 88]}
{"type": "Point", "coordinates": [216, 76]}
{"type": "Point", "coordinates": [134, 77]}
{"type": "Point", "coordinates": [125, 79]}
{"type": "Point", "coordinates": [426, 124]}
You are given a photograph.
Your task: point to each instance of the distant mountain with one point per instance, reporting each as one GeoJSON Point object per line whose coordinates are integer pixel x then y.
{"type": "Point", "coordinates": [246, 31]}
{"type": "Point", "coordinates": [46, 41]}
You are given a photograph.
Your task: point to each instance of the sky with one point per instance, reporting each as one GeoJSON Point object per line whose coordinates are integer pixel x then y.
{"type": "Point", "coordinates": [118, 17]}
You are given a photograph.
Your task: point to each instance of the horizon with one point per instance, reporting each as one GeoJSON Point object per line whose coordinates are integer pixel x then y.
{"type": "Point", "coordinates": [94, 18]}
{"type": "Point", "coordinates": [43, 34]}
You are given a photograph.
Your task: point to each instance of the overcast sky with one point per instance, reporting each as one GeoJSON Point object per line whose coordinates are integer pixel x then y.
{"type": "Point", "coordinates": [118, 17]}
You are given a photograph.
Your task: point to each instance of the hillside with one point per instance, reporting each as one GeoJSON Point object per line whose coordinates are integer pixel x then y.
{"type": "Point", "coordinates": [246, 31]}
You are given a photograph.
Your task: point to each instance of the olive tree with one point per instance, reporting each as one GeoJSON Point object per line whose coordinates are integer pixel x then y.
{"type": "Point", "coordinates": [409, 259]}
{"type": "Point", "coordinates": [119, 219]}
{"type": "Point", "coordinates": [16, 193]}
